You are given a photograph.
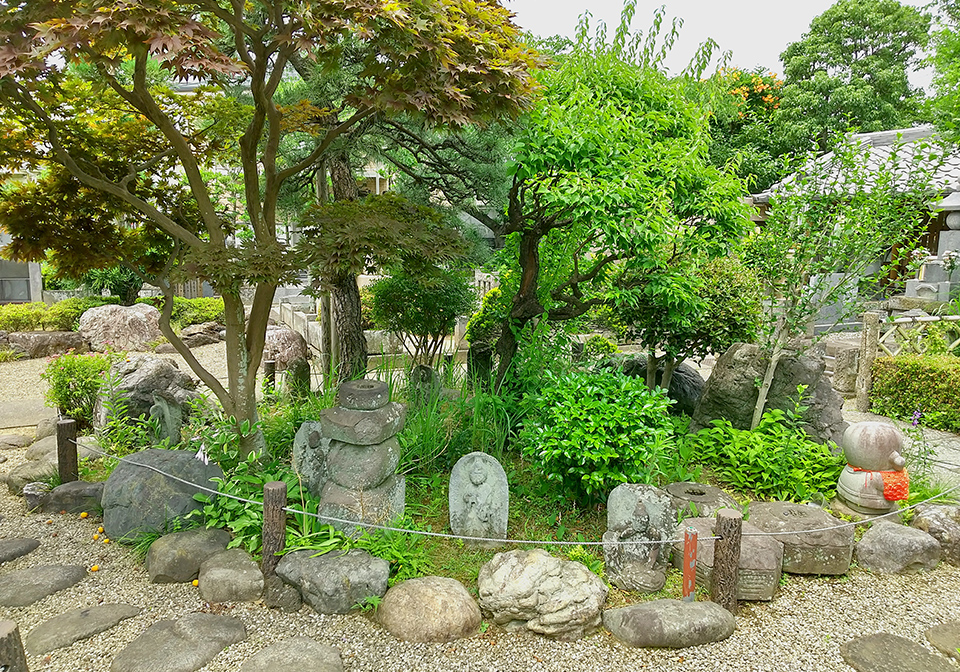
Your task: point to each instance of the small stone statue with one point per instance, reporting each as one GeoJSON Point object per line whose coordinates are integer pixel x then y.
{"type": "Point", "coordinates": [479, 499]}
{"type": "Point", "coordinates": [875, 478]}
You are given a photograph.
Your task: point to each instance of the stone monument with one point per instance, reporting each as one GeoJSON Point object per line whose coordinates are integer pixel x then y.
{"type": "Point", "coordinates": [479, 499]}
{"type": "Point", "coordinates": [641, 523]}
{"type": "Point", "coordinates": [875, 477]}
{"type": "Point", "coordinates": [349, 457]}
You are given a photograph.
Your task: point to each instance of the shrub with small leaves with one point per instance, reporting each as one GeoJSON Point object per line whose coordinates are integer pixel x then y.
{"type": "Point", "coordinates": [597, 346]}
{"type": "Point", "coordinates": [75, 382]}
{"type": "Point", "coordinates": [22, 316]}
{"type": "Point", "coordinates": [593, 431]}
{"type": "Point", "coordinates": [929, 384]}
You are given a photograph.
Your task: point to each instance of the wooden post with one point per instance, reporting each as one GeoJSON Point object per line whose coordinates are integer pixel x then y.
{"type": "Point", "coordinates": [270, 373]}
{"type": "Point", "coordinates": [12, 657]}
{"type": "Point", "coordinates": [726, 559]}
{"type": "Point", "coordinates": [690, 564]}
{"type": "Point", "coordinates": [67, 450]}
{"type": "Point", "coordinates": [869, 339]}
{"type": "Point", "coordinates": [274, 524]}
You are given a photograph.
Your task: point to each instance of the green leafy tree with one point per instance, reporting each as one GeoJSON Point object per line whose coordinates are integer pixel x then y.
{"type": "Point", "coordinates": [946, 64]}
{"type": "Point", "coordinates": [344, 238]}
{"type": "Point", "coordinates": [452, 61]}
{"type": "Point", "coordinates": [850, 71]}
{"type": "Point", "coordinates": [830, 227]}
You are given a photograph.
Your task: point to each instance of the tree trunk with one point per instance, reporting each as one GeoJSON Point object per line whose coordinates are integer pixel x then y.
{"type": "Point", "coordinates": [345, 297]}
{"type": "Point", "coordinates": [652, 364]}
{"type": "Point", "coordinates": [669, 366]}
{"type": "Point", "coordinates": [245, 341]}
{"type": "Point", "coordinates": [767, 382]}
{"type": "Point", "coordinates": [344, 293]}
{"type": "Point", "coordinates": [526, 305]}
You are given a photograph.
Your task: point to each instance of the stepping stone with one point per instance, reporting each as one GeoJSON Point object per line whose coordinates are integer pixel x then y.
{"type": "Point", "coordinates": [295, 655]}
{"type": "Point", "coordinates": [184, 645]}
{"type": "Point", "coordinates": [65, 629]}
{"type": "Point", "coordinates": [884, 652]}
{"type": "Point", "coordinates": [945, 638]}
{"type": "Point", "coordinates": [11, 441]}
{"type": "Point", "coordinates": [670, 624]}
{"type": "Point", "coordinates": [11, 549]}
{"type": "Point", "coordinates": [26, 586]}
{"type": "Point", "coordinates": [824, 551]}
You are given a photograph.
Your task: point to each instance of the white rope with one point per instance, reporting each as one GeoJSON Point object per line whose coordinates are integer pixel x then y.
{"type": "Point", "coordinates": [441, 535]}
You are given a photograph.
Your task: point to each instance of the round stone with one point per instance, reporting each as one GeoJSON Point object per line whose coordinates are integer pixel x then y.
{"type": "Point", "coordinates": [363, 394]}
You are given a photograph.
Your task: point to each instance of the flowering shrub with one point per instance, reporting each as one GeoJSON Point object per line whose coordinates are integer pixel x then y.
{"type": "Point", "coordinates": [759, 92]}
{"type": "Point", "coordinates": [75, 382]}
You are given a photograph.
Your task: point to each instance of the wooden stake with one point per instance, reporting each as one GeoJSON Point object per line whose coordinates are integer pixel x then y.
{"type": "Point", "coordinates": [67, 450]}
{"type": "Point", "coordinates": [12, 657]}
{"type": "Point", "coordinates": [270, 373]}
{"type": "Point", "coordinates": [274, 524]}
{"type": "Point", "coordinates": [726, 559]}
{"type": "Point", "coordinates": [690, 564]}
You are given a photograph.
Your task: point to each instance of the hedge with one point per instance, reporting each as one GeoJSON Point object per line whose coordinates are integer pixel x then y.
{"type": "Point", "coordinates": [905, 384]}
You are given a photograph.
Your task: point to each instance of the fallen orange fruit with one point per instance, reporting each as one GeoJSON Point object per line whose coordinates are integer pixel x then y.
{"type": "Point", "coordinates": [84, 514]}
{"type": "Point", "coordinates": [96, 536]}
{"type": "Point", "coordinates": [95, 568]}
{"type": "Point", "coordinates": [195, 583]}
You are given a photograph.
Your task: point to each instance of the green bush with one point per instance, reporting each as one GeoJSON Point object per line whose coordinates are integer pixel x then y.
{"type": "Point", "coordinates": [594, 431]}
{"type": "Point", "coordinates": [905, 384]}
{"type": "Point", "coordinates": [484, 325]}
{"type": "Point", "coordinates": [22, 316]}
{"type": "Point", "coordinates": [75, 382]}
{"type": "Point", "coordinates": [777, 460]}
{"type": "Point", "coordinates": [597, 346]}
{"type": "Point", "coordinates": [421, 310]}
{"type": "Point", "coordinates": [65, 315]}
{"type": "Point", "coordinates": [190, 311]}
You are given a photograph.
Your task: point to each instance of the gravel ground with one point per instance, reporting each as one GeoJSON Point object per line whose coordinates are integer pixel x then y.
{"type": "Point", "coordinates": [800, 631]}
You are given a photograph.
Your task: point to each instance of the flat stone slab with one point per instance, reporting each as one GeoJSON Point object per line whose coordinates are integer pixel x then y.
{"type": "Point", "coordinates": [670, 624]}
{"type": "Point", "coordinates": [24, 413]}
{"type": "Point", "coordinates": [13, 441]}
{"type": "Point", "coordinates": [184, 645]}
{"type": "Point", "coordinates": [884, 652]}
{"type": "Point", "coordinates": [26, 586]}
{"type": "Point", "coordinates": [295, 655]}
{"type": "Point", "coordinates": [945, 638]}
{"type": "Point", "coordinates": [809, 545]}
{"type": "Point", "coordinates": [72, 626]}
{"type": "Point", "coordinates": [11, 549]}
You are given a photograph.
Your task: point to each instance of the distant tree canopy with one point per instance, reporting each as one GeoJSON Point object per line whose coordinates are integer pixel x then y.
{"type": "Point", "coordinates": [850, 71]}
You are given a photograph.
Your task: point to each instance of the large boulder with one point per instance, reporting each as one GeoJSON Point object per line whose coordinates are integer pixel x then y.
{"type": "Point", "coordinates": [890, 548]}
{"type": "Point", "coordinates": [284, 346]}
{"type": "Point", "coordinates": [149, 385]}
{"type": "Point", "coordinates": [176, 558]}
{"type": "Point", "coordinates": [230, 576]}
{"type": "Point", "coordinates": [195, 335]}
{"type": "Point", "coordinates": [121, 327]}
{"type": "Point", "coordinates": [139, 496]}
{"type": "Point", "coordinates": [532, 590]}
{"type": "Point", "coordinates": [335, 583]}
{"type": "Point", "coordinates": [942, 522]}
{"type": "Point", "coordinates": [669, 624]}
{"type": "Point", "coordinates": [429, 609]}
{"type": "Point", "coordinates": [731, 392]}
{"type": "Point", "coordinates": [686, 385]}
{"type": "Point", "coordinates": [37, 344]}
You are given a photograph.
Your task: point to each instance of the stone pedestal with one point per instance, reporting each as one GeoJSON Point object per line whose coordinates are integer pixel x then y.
{"type": "Point", "coordinates": [761, 560]}
{"type": "Point", "coordinates": [698, 500]}
{"type": "Point", "coordinates": [806, 550]}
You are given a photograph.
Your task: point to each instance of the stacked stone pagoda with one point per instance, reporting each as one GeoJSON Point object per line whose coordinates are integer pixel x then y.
{"type": "Point", "coordinates": [349, 457]}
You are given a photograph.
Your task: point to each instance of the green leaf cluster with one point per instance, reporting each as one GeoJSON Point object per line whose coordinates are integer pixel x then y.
{"type": "Point", "coordinates": [75, 382]}
{"type": "Point", "coordinates": [590, 432]}
{"type": "Point", "coordinates": [190, 311]}
{"type": "Point", "coordinates": [905, 384]}
{"type": "Point", "coordinates": [65, 315]}
{"type": "Point", "coordinates": [777, 460]}
{"type": "Point", "coordinates": [484, 325]}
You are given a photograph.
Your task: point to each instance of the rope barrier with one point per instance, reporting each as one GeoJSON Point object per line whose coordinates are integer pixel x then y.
{"type": "Point", "coordinates": [442, 535]}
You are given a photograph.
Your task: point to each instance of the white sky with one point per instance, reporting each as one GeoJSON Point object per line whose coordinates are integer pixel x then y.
{"type": "Point", "coordinates": [756, 31]}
